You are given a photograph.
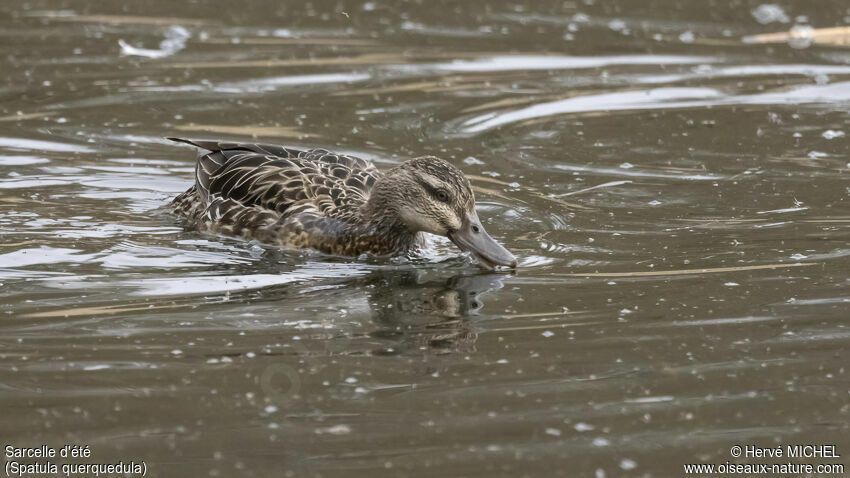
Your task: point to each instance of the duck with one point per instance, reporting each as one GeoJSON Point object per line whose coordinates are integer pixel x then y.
{"type": "Point", "coordinates": [333, 203]}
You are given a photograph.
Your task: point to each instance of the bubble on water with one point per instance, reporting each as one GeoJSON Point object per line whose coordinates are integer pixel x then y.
{"type": "Point", "coordinates": [798, 256]}
{"type": "Point", "coordinates": [617, 25]}
{"type": "Point", "coordinates": [470, 160]}
{"type": "Point", "coordinates": [800, 36]}
{"type": "Point", "coordinates": [334, 430]}
{"type": "Point", "coordinates": [687, 37]}
{"type": "Point", "coordinates": [90, 368]}
{"type": "Point", "coordinates": [553, 431]}
{"type": "Point", "coordinates": [832, 134]}
{"type": "Point", "coordinates": [654, 202]}
{"type": "Point", "coordinates": [583, 427]}
{"type": "Point", "coordinates": [270, 409]}
{"type": "Point", "coordinates": [175, 40]}
{"type": "Point", "coordinates": [628, 464]}
{"type": "Point", "coordinates": [548, 333]}
{"type": "Point", "coordinates": [770, 13]}
{"type": "Point", "coordinates": [599, 441]}
{"type": "Point", "coordinates": [256, 251]}
{"type": "Point", "coordinates": [731, 284]}
{"type": "Point", "coordinates": [626, 166]}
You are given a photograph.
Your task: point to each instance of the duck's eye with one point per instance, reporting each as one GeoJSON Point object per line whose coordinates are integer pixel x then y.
{"type": "Point", "coordinates": [442, 195]}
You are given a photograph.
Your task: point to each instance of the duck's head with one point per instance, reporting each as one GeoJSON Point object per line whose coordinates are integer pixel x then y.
{"type": "Point", "coordinates": [428, 194]}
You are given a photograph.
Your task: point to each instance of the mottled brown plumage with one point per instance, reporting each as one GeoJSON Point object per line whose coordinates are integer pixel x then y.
{"type": "Point", "coordinates": [330, 202]}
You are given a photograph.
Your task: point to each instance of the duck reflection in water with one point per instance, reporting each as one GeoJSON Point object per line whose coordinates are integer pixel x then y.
{"type": "Point", "coordinates": [429, 315]}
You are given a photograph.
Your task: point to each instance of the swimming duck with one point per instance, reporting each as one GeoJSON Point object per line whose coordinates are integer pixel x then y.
{"type": "Point", "coordinates": [334, 203]}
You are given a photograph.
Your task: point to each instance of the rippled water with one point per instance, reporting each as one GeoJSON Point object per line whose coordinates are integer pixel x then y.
{"type": "Point", "coordinates": [677, 199]}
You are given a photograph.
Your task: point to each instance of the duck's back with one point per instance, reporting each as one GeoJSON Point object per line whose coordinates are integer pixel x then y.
{"type": "Point", "coordinates": [252, 190]}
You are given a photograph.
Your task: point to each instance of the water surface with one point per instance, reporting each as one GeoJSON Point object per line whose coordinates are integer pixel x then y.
{"type": "Point", "coordinates": [677, 199]}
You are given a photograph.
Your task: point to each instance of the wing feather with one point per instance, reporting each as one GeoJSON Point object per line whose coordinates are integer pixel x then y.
{"type": "Point", "coordinates": [274, 178]}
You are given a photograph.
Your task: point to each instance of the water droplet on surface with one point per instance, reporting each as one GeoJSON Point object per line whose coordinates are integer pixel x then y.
{"type": "Point", "coordinates": [770, 13]}
{"type": "Point", "coordinates": [334, 430]}
{"type": "Point", "coordinates": [583, 427]}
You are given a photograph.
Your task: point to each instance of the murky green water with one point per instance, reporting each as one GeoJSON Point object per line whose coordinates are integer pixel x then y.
{"type": "Point", "coordinates": [696, 299]}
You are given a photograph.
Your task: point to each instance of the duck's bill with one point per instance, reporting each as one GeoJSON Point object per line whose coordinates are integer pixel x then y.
{"type": "Point", "coordinates": [473, 238]}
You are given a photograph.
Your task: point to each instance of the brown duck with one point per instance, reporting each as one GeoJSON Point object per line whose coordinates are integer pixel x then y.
{"type": "Point", "coordinates": [334, 203]}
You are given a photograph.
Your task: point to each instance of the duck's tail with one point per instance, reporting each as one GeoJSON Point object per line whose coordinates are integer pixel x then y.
{"type": "Point", "coordinates": [215, 146]}
{"type": "Point", "coordinates": [208, 145]}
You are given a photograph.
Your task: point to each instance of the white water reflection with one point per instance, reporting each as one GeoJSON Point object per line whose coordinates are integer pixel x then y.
{"type": "Point", "coordinates": [554, 62]}
{"type": "Point", "coordinates": [644, 173]}
{"type": "Point", "coordinates": [130, 256]}
{"type": "Point", "coordinates": [706, 72]}
{"type": "Point", "coordinates": [213, 284]}
{"type": "Point", "coordinates": [21, 160]}
{"type": "Point", "coordinates": [261, 85]}
{"type": "Point", "coordinates": [629, 100]}
{"type": "Point", "coordinates": [659, 98]}
{"type": "Point", "coordinates": [42, 255]}
{"type": "Point", "coordinates": [41, 145]}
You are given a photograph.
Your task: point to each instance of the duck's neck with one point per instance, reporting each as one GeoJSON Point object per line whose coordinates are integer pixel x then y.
{"type": "Point", "coordinates": [380, 223]}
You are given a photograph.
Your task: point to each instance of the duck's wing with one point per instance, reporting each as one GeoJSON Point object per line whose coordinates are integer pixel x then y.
{"type": "Point", "coordinates": [276, 177]}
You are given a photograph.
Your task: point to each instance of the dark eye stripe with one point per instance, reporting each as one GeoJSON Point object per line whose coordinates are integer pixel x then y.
{"type": "Point", "coordinates": [431, 189]}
